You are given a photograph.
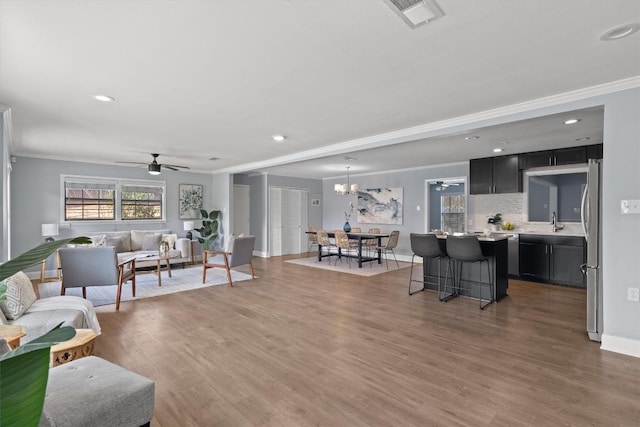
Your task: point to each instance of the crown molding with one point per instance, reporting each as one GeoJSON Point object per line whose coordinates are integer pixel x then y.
{"type": "Point", "coordinates": [441, 127]}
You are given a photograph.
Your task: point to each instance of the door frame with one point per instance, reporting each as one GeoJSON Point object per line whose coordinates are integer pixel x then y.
{"type": "Point", "coordinates": [427, 182]}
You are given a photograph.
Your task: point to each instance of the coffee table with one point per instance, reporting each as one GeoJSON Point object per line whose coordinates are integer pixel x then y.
{"type": "Point", "coordinates": [12, 333]}
{"type": "Point", "coordinates": [81, 345]}
{"type": "Point", "coordinates": [159, 259]}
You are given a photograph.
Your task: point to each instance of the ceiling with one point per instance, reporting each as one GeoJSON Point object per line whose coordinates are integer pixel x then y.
{"type": "Point", "coordinates": [195, 80]}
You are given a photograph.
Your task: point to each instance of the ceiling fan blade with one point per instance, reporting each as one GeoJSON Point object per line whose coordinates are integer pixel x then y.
{"type": "Point", "coordinates": [133, 163]}
{"type": "Point", "coordinates": [174, 166]}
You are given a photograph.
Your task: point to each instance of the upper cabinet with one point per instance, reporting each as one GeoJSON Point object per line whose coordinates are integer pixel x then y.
{"type": "Point", "coordinates": [495, 175]}
{"type": "Point", "coordinates": [562, 156]}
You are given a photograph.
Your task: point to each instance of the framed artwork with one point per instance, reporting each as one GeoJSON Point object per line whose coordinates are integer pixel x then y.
{"type": "Point", "coordinates": [190, 201]}
{"type": "Point", "coordinates": [380, 205]}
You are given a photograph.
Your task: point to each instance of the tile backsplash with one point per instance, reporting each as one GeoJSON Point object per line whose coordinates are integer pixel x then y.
{"type": "Point", "coordinates": [511, 206]}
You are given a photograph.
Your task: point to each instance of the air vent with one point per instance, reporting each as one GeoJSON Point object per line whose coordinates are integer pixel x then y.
{"type": "Point", "coordinates": [416, 12]}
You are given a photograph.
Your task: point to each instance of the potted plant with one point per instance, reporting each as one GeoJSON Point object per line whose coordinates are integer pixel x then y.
{"type": "Point", "coordinates": [209, 230]}
{"type": "Point", "coordinates": [24, 371]}
{"type": "Point", "coordinates": [495, 221]}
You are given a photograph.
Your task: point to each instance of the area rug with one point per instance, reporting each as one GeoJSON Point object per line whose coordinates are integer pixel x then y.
{"type": "Point", "coordinates": [183, 279]}
{"type": "Point", "coordinates": [368, 269]}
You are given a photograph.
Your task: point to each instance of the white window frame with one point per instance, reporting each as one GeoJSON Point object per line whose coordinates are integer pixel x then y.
{"type": "Point", "coordinates": [119, 183]}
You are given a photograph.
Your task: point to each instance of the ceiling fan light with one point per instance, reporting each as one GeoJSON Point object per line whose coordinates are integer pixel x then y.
{"type": "Point", "coordinates": [154, 169]}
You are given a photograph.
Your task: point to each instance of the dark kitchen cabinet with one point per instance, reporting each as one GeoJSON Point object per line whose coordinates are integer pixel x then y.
{"type": "Point", "coordinates": [594, 151]}
{"type": "Point", "coordinates": [552, 259]}
{"type": "Point", "coordinates": [495, 175]}
{"type": "Point", "coordinates": [562, 156]}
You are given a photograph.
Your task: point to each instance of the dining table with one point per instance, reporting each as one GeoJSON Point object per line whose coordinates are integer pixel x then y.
{"type": "Point", "coordinates": [359, 237]}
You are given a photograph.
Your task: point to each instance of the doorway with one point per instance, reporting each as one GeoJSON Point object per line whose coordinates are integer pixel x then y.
{"type": "Point", "coordinates": [446, 205]}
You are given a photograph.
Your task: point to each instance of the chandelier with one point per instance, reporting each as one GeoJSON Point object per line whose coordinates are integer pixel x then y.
{"type": "Point", "coordinates": [346, 189]}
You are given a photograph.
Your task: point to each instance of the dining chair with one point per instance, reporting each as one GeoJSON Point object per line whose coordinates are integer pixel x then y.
{"type": "Point", "coordinates": [84, 267]}
{"type": "Point", "coordinates": [312, 237]}
{"type": "Point", "coordinates": [369, 244]}
{"type": "Point", "coordinates": [391, 244]}
{"type": "Point", "coordinates": [356, 229]}
{"type": "Point", "coordinates": [324, 242]}
{"type": "Point", "coordinates": [344, 245]}
{"type": "Point", "coordinates": [241, 253]}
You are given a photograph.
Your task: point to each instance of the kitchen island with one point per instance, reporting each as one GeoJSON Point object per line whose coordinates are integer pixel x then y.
{"type": "Point", "coordinates": [494, 247]}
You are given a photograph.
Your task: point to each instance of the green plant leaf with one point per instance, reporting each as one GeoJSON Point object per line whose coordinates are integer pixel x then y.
{"type": "Point", "coordinates": [36, 255]}
{"type": "Point", "coordinates": [23, 378]}
{"type": "Point", "coordinates": [23, 381]}
{"type": "Point", "coordinates": [203, 213]}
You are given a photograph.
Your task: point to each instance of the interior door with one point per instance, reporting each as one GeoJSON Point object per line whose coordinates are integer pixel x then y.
{"type": "Point", "coordinates": [289, 218]}
{"type": "Point", "coordinates": [275, 221]}
{"type": "Point", "coordinates": [241, 210]}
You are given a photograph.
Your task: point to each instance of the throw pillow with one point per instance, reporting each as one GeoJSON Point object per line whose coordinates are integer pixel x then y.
{"type": "Point", "coordinates": [151, 242]}
{"type": "Point", "coordinates": [171, 239]}
{"type": "Point", "coordinates": [20, 295]}
{"type": "Point", "coordinates": [3, 320]}
{"type": "Point", "coordinates": [97, 240]}
{"type": "Point", "coordinates": [116, 242]}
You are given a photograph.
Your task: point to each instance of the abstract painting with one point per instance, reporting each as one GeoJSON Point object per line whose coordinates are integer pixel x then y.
{"type": "Point", "coordinates": [190, 201]}
{"type": "Point", "coordinates": [380, 206]}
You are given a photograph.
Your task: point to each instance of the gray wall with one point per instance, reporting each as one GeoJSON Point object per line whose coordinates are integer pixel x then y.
{"type": "Point", "coordinates": [413, 183]}
{"type": "Point", "coordinates": [36, 198]}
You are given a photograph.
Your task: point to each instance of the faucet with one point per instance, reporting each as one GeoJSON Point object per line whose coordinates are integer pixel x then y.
{"type": "Point", "coordinates": [554, 223]}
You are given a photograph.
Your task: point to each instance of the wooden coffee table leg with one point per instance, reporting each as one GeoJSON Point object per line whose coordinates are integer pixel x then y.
{"type": "Point", "coordinates": [169, 268]}
{"type": "Point", "coordinates": [159, 272]}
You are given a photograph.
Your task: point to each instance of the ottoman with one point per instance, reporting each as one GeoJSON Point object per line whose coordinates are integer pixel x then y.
{"type": "Point", "coordinates": [94, 392]}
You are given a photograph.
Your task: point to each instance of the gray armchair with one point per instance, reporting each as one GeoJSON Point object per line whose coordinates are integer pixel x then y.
{"type": "Point", "coordinates": [241, 253]}
{"type": "Point", "coordinates": [82, 267]}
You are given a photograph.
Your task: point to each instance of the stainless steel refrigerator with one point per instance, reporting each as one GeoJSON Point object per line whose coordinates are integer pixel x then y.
{"type": "Point", "coordinates": [592, 227]}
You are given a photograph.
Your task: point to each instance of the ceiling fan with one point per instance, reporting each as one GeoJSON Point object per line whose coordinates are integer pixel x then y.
{"type": "Point", "coordinates": [155, 167]}
{"type": "Point", "coordinates": [441, 185]}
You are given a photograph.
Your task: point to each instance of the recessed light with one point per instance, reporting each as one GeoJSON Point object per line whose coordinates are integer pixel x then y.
{"type": "Point", "coordinates": [278, 138]}
{"type": "Point", "coordinates": [104, 98]}
{"type": "Point", "coordinates": [471, 138]}
{"type": "Point", "coordinates": [571, 121]}
{"type": "Point", "coordinates": [497, 150]}
{"type": "Point", "coordinates": [619, 32]}
{"type": "Point", "coordinates": [584, 138]}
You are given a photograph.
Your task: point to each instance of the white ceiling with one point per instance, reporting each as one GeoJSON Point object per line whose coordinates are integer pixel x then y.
{"type": "Point", "coordinates": [201, 79]}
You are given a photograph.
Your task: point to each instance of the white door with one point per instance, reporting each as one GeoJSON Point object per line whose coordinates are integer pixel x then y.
{"type": "Point", "coordinates": [241, 210]}
{"type": "Point", "coordinates": [289, 218]}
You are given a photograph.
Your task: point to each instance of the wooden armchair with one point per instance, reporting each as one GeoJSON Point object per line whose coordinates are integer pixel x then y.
{"type": "Point", "coordinates": [82, 267]}
{"type": "Point", "coordinates": [241, 253]}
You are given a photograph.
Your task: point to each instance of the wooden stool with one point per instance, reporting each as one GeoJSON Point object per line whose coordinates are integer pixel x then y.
{"type": "Point", "coordinates": [81, 345]}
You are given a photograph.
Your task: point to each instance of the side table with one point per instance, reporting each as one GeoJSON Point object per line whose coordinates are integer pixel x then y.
{"type": "Point", "coordinates": [81, 345]}
{"type": "Point", "coordinates": [12, 333]}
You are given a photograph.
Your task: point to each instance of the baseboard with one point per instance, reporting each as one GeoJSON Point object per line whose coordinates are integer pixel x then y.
{"type": "Point", "coordinates": [261, 254]}
{"type": "Point", "coordinates": [620, 345]}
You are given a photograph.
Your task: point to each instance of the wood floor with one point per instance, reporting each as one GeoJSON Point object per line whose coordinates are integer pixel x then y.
{"type": "Point", "coordinates": [301, 346]}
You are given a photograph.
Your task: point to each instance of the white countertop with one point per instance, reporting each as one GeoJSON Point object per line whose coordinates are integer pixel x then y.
{"type": "Point", "coordinates": [494, 237]}
{"type": "Point", "coordinates": [541, 232]}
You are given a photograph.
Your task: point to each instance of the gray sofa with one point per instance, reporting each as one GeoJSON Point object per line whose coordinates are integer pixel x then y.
{"type": "Point", "coordinates": [131, 243]}
{"type": "Point", "coordinates": [38, 316]}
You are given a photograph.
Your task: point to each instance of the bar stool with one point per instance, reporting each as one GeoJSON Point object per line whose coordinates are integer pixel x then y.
{"type": "Point", "coordinates": [427, 247]}
{"type": "Point", "coordinates": [466, 250]}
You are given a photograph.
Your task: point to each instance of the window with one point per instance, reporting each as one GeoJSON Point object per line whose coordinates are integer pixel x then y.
{"type": "Point", "coordinates": [452, 209]}
{"type": "Point", "coordinates": [141, 202]}
{"type": "Point", "coordinates": [89, 201]}
{"type": "Point", "coordinates": [104, 199]}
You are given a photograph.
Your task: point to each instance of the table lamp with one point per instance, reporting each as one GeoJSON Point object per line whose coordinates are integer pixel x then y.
{"type": "Point", "coordinates": [48, 231]}
{"type": "Point", "coordinates": [188, 226]}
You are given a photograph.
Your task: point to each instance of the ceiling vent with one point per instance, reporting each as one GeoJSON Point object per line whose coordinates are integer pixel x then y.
{"type": "Point", "coordinates": [416, 12]}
